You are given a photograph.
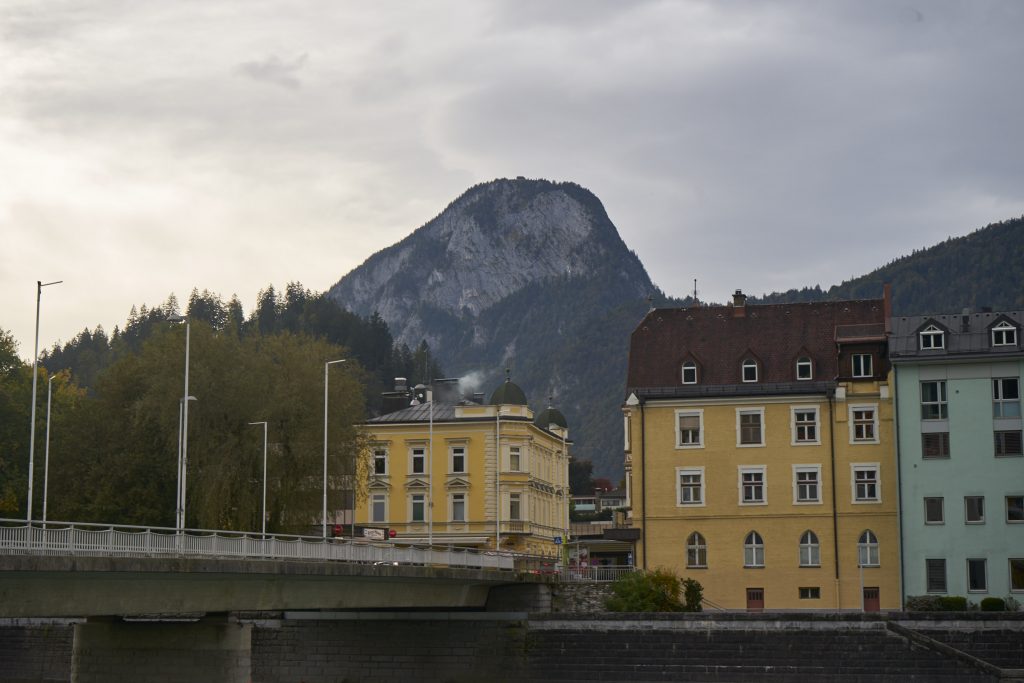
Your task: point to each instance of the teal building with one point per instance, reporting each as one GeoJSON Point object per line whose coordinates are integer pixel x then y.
{"type": "Point", "coordinates": [961, 465]}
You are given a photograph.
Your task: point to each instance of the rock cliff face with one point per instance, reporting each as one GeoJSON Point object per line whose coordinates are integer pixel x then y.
{"type": "Point", "coordinates": [526, 273]}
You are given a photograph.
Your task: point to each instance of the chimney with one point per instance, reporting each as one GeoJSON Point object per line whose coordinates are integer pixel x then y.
{"type": "Point", "coordinates": [739, 304]}
{"type": "Point", "coordinates": [965, 320]}
{"type": "Point", "coordinates": [887, 307]}
{"type": "Point", "coordinates": [400, 384]}
{"type": "Point", "coordinates": [478, 397]}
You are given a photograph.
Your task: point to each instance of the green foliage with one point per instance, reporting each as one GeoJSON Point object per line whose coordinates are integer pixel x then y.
{"type": "Point", "coordinates": [602, 516]}
{"type": "Point", "coordinates": [581, 477]}
{"type": "Point", "coordinates": [693, 595]}
{"type": "Point", "coordinates": [646, 591]}
{"type": "Point", "coordinates": [993, 605]}
{"type": "Point", "coordinates": [936, 603]}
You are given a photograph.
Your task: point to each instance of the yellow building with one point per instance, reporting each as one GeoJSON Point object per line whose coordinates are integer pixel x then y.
{"type": "Point", "coordinates": [760, 453]}
{"type": "Point", "coordinates": [436, 476]}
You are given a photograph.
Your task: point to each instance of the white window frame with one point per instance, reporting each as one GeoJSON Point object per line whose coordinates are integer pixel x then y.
{"type": "Point", "coordinates": [873, 407]}
{"type": "Point", "coordinates": [519, 451]}
{"type": "Point", "coordinates": [753, 469]}
{"type": "Point", "coordinates": [374, 497]}
{"type": "Point", "coordinates": [698, 547]}
{"type": "Point", "coordinates": [1006, 511]}
{"type": "Point", "coordinates": [999, 400]}
{"type": "Point", "coordinates": [413, 457]}
{"type": "Point", "coordinates": [699, 412]}
{"type": "Point", "coordinates": [797, 470]}
{"type": "Point", "coordinates": [451, 458]}
{"type": "Point", "coordinates": [688, 365]}
{"type": "Point", "coordinates": [945, 576]}
{"type": "Point", "coordinates": [756, 548]}
{"type": "Point", "coordinates": [866, 365]}
{"type": "Point", "coordinates": [680, 471]}
{"type": "Point", "coordinates": [626, 436]}
{"type": "Point", "coordinates": [378, 450]}
{"type": "Point", "coordinates": [967, 516]}
{"type": "Point", "coordinates": [739, 431]}
{"type": "Point", "coordinates": [931, 333]}
{"type": "Point", "coordinates": [1008, 333]}
{"type": "Point", "coordinates": [451, 507]}
{"type": "Point", "coordinates": [967, 576]}
{"type": "Point", "coordinates": [865, 467]}
{"type": "Point", "coordinates": [941, 400]}
{"type": "Point", "coordinates": [518, 497]}
{"type": "Point", "coordinates": [868, 549]}
{"type": "Point", "coordinates": [749, 363]}
{"type": "Point", "coordinates": [804, 361]}
{"type": "Point", "coordinates": [813, 548]}
{"type": "Point", "coordinates": [794, 426]}
{"type": "Point", "coordinates": [942, 511]}
{"type": "Point", "coordinates": [412, 508]}
{"type": "Point", "coordinates": [1009, 574]}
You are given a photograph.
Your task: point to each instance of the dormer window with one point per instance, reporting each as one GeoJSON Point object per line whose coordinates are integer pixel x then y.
{"type": "Point", "coordinates": [750, 370]}
{"type": "Point", "coordinates": [804, 368]}
{"type": "Point", "coordinates": [1004, 334]}
{"type": "Point", "coordinates": [689, 372]}
{"type": "Point", "coordinates": [933, 338]}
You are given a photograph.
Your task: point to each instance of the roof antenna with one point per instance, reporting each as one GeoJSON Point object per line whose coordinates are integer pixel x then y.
{"type": "Point", "coordinates": [695, 299]}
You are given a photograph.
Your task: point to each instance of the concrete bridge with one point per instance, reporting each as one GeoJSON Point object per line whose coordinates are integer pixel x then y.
{"type": "Point", "coordinates": [154, 600]}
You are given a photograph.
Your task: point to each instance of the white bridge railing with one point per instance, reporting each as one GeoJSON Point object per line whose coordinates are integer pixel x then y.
{"type": "Point", "coordinates": [115, 540]}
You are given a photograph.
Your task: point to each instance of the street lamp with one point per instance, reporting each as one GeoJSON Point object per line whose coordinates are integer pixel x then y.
{"type": "Point", "coordinates": [46, 460]}
{"type": "Point", "coordinates": [35, 376]}
{"type": "Point", "coordinates": [179, 521]}
{"type": "Point", "coordinates": [263, 529]}
{"type": "Point", "coordinates": [327, 365]}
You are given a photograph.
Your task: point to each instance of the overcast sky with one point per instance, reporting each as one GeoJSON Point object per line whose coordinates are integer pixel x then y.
{"type": "Point", "coordinates": [152, 147]}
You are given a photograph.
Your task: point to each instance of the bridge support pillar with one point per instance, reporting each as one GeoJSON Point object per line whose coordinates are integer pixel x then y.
{"type": "Point", "coordinates": [212, 649]}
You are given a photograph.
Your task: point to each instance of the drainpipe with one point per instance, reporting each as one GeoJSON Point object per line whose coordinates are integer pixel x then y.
{"type": "Point", "coordinates": [643, 484]}
{"type": "Point", "coordinates": [497, 481]}
{"type": "Point", "coordinates": [835, 512]}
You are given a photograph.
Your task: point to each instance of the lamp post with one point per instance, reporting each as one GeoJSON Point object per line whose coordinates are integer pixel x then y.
{"type": "Point", "coordinates": [46, 460]}
{"type": "Point", "coordinates": [327, 366]}
{"type": "Point", "coordinates": [263, 529]}
{"type": "Point", "coordinates": [35, 376]}
{"type": "Point", "coordinates": [179, 522]}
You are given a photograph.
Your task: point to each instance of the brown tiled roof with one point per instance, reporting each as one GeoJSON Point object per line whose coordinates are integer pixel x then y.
{"type": "Point", "coordinates": [718, 339]}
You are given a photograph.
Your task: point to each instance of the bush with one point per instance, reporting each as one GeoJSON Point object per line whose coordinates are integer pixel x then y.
{"type": "Point", "coordinates": [953, 603]}
{"type": "Point", "coordinates": [993, 605]}
{"type": "Point", "coordinates": [693, 595]}
{"type": "Point", "coordinates": [1012, 603]}
{"type": "Point", "coordinates": [936, 603]}
{"type": "Point", "coordinates": [646, 591]}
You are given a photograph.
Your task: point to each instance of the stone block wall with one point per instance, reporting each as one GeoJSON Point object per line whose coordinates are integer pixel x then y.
{"type": "Point", "coordinates": [35, 651]}
{"type": "Point", "coordinates": [581, 598]}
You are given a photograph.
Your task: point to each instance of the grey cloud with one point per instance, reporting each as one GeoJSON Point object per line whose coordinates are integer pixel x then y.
{"type": "Point", "coordinates": [275, 71]}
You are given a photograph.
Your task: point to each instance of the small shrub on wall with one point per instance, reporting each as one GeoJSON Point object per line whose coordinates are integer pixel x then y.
{"type": "Point", "coordinates": [659, 590]}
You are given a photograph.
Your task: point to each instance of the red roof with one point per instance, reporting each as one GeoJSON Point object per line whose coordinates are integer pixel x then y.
{"type": "Point", "coordinates": [719, 338]}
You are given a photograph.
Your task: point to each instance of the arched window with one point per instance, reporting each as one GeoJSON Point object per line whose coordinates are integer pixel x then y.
{"type": "Point", "coordinates": [867, 549]}
{"type": "Point", "coordinates": [750, 370]}
{"type": "Point", "coordinates": [810, 551]}
{"type": "Point", "coordinates": [689, 372]}
{"type": "Point", "coordinates": [932, 338]}
{"type": "Point", "coordinates": [696, 551]}
{"type": "Point", "coordinates": [804, 368]}
{"type": "Point", "coordinates": [753, 550]}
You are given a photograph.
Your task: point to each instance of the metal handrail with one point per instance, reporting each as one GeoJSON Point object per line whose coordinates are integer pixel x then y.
{"type": "Point", "coordinates": [125, 540]}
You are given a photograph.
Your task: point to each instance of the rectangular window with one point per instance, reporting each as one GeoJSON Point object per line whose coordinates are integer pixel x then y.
{"type": "Point", "coordinates": [458, 507]}
{"type": "Point", "coordinates": [689, 428]}
{"type": "Point", "coordinates": [805, 425]}
{"type": "Point", "coordinates": [806, 484]}
{"type": "Point", "coordinates": [1015, 509]}
{"type": "Point", "coordinates": [1017, 574]}
{"type": "Point", "coordinates": [378, 508]}
{"type": "Point", "coordinates": [933, 511]}
{"type": "Point", "coordinates": [935, 579]}
{"type": "Point", "coordinates": [935, 445]}
{"type": "Point", "coordinates": [691, 486]}
{"type": "Point", "coordinates": [974, 509]}
{"type": "Point", "coordinates": [380, 461]}
{"type": "Point", "coordinates": [932, 338]}
{"type": "Point", "coordinates": [1008, 443]}
{"type": "Point", "coordinates": [862, 365]}
{"type": "Point", "coordinates": [1006, 397]}
{"type": "Point", "coordinates": [749, 427]}
{"type": "Point", "coordinates": [863, 424]}
{"type": "Point", "coordinates": [458, 454]}
{"type": "Point", "coordinates": [977, 576]}
{"type": "Point", "coordinates": [933, 400]}
{"type": "Point", "coordinates": [419, 507]}
{"type": "Point", "coordinates": [419, 461]}
{"type": "Point", "coordinates": [810, 593]}
{"type": "Point", "coordinates": [1004, 334]}
{"type": "Point", "coordinates": [514, 459]}
{"type": "Point", "coordinates": [514, 507]}
{"type": "Point", "coordinates": [752, 486]}
{"type": "Point", "coordinates": [866, 487]}
{"type": "Point", "coordinates": [804, 368]}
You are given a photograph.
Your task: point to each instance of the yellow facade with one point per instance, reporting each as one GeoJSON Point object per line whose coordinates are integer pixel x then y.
{"type": "Point", "coordinates": [439, 482]}
{"type": "Point", "coordinates": [839, 484]}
